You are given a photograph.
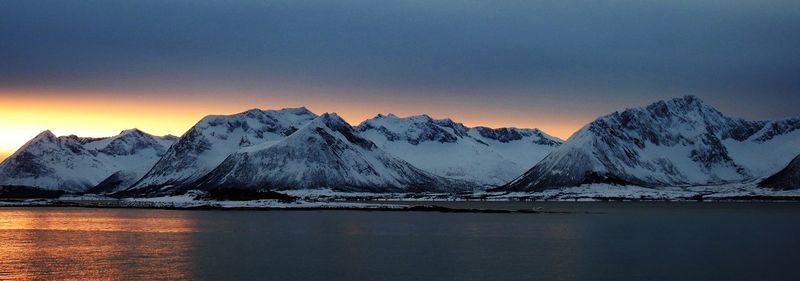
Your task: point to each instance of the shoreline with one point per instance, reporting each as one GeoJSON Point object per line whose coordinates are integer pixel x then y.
{"type": "Point", "coordinates": [221, 205]}
{"type": "Point", "coordinates": [385, 205]}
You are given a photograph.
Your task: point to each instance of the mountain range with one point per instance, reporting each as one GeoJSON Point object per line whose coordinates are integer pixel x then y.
{"type": "Point", "coordinates": [206, 144]}
{"type": "Point", "coordinates": [485, 156]}
{"type": "Point", "coordinates": [324, 153]}
{"type": "Point", "coordinates": [77, 164]}
{"type": "Point", "coordinates": [676, 142]}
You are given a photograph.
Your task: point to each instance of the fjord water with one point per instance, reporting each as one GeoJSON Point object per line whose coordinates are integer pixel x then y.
{"type": "Point", "coordinates": [591, 241]}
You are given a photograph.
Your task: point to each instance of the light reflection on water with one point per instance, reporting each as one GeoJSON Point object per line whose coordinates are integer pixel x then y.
{"type": "Point", "coordinates": [603, 241]}
{"type": "Point", "coordinates": [89, 244]}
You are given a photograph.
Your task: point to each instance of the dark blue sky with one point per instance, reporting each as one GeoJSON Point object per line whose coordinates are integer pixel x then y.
{"type": "Point", "coordinates": [743, 56]}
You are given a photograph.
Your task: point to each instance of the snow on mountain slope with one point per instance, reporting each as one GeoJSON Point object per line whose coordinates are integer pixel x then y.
{"type": "Point", "coordinates": [215, 137]}
{"type": "Point", "coordinates": [677, 142]}
{"type": "Point", "coordinates": [75, 164]}
{"type": "Point", "coordinates": [769, 149]}
{"type": "Point", "coordinates": [785, 179]}
{"type": "Point", "coordinates": [480, 155]}
{"type": "Point", "coordinates": [324, 154]}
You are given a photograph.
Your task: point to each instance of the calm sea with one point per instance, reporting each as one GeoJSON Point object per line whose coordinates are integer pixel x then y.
{"type": "Point", "coordinates": [592, 241]}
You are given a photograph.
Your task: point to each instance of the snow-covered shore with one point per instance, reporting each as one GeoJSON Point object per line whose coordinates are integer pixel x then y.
{"type": "Point", "coordinates": [190, 202]}
{"type": "Point", "coordinates": [330, 199]}
{"type": "Point", "coordinates": [593, 192]}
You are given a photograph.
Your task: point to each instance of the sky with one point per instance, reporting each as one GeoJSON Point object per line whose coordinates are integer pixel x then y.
{"type": "Point", "coordinates": [94, 68]}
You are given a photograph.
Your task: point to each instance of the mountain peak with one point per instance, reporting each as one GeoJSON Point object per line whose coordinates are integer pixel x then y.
{"type": "Point", "coordinates": [294, 110]}
{"type": "Point", "coordinates": [263, 115]}
{"type": "Point", "coordinates": [666, 117]}
{"type": "Point", "coordinates": [215, 137]}
{"type": "Point", "coordinates": [681, 141]}
{"type": "Point", "coordinates": [46, 134]}
{"type": "Point", "coordinates": [684, 100]}
{"type": "Point", "coordinates": [46, 138]}
{"type": "Point", "coordinates": [689, 99]}
{"type": "Point", "coordinates": [252, 110]}
{"type": "Point", "coordinates": [330, 115]}
{"type": "Point", "coordinates": [331, 120]}
{"type": "Point", "coordinates": [134, 131]}
{"type": "Point", "coordinates": [681, 105]}
{"type": "Point", "coordinates": [387, 116]}
{"type": "Point", "coordinates": [298, 110]}
{"type": "Point", "coordinates": [421, 117]}
{"type": "Point", "coordinates": [77, 163]}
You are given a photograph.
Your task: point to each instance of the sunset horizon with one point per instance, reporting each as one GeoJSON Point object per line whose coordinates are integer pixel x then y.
{"type": "Point", "coordinates": [535, 65]}
{"type": "Point", "coordinates": [95, 115]}
{"type": "Point", "coordinates": [399, 140]}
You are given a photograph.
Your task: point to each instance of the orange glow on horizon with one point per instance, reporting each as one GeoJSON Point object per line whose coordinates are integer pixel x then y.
{"type": "Point", "coordinates": [25, 113]}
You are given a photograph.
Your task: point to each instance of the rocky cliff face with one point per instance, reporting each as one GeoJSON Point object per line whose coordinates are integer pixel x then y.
{"type": "Point", "coordinates": [785, 179]}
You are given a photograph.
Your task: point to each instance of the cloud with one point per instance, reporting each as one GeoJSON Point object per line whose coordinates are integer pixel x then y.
{"type": "Point", "coordinates": [508, 49]}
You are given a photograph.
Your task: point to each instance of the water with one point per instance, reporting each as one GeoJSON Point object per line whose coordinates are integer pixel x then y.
{"type": "Point", "coordinates": [595, 241]}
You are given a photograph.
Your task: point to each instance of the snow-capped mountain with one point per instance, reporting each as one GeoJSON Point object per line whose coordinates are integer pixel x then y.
{"type": "Point", "coordinates": [678, 142]}
{"type": "Point", "coordinates": [74, 163]}
{"type": "Point", "coordinates": [326, 153]}
{"type": "Point", "coordinates": [215, 137]}
{"type": "Point", "coordinates": [481, 155]}
{"type": "Point", "coordinates": [787, 178]}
